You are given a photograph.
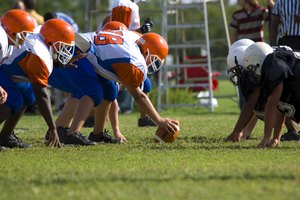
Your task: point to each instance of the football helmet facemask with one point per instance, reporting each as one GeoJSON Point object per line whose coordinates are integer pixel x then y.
{"type": "Point", "coordinates": [59, 36]}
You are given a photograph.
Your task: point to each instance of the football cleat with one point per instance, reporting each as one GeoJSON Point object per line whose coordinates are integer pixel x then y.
{"type": "Point", "coordinates": [290, 135]}
{"type": "Point", "coordinates": [77, 138]}
{"type": "Point", "coordinates": [103, 137]}
{"type": "Point", "coordinates": [12, 141]}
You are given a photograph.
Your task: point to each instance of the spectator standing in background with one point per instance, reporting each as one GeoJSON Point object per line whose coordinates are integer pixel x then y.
{"type": "Point", "coordinates": [285, 24]}
{"type": "Point", "coordinates": [30, 6]}
{"type": "Point", "coordinates": [248, 21]}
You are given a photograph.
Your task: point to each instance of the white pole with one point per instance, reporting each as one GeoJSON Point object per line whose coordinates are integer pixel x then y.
{"type": "Point", "coordinates": [225, 23]}
{"type": "Point", "coordinates": [208, 56]}
{"type": "Point", "coordinates": [228, 38]}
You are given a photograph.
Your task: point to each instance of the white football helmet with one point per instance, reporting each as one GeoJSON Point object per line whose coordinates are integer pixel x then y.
{"type": "Point", "coordinates": [241, 42]}
{"type": "Point", "coordinates": [236, 56]}
{"type": "Point", "coordinates": [235, 63]}
{"type": "Point", "coordinates": [255, 55]}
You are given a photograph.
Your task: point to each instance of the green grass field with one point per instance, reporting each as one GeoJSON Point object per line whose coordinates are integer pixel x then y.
{"type": "Point", "coordinates": [199, 165]}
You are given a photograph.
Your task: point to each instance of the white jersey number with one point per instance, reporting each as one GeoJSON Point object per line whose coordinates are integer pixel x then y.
{"type": "Point", "coordinates": [106, 38]}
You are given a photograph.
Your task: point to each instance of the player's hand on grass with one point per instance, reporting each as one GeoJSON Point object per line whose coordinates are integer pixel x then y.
{"type": "Point", "coordinates": [273, 143]}
{"type": "Point", "coordinates": [118, 135]}
{"type": "Point", "coordinates": [234, 137]}
{"type": "Point", "coordinates": [53, 139]}
{"type": "Point", "coordinates": [171, 125]}
{"type": "Point", "coordinates": [263, 143]}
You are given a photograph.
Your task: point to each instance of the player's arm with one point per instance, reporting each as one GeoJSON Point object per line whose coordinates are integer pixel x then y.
{"type": "Point", "coordinates": [271, 113]}
{"type": "Point", "coordinates": [275, 20]}
{"type": "Point", "coordinates": [145, 104]}
{"type": "Point", "coordinates": [245, 116]}
{"type": "Point", "coordinates": [38, 74]}
{"type": "Point", "coordinates": [44, 104]}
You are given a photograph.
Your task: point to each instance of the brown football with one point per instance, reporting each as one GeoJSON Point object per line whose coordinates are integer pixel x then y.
{"type": "Point", "coordinates": [162, 136]}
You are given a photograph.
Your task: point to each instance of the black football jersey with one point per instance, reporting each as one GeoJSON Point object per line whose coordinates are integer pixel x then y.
{"type": "Point", "coordinates": [282, 66]}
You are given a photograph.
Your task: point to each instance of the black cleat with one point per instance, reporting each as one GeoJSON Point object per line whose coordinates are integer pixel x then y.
{"type": "Point", "coordinates": [77, 138]}
{"type": "Point", "coordinates": [12, 141]}
{"type": "Point", "coordinates": [103, 137]}
{"type": "Point", "coordinates": [62, 132]}
{"type": "Point", "coordinates": [290, 135]}
{"type": "Point", "coordinates": [146, 121]}
{"type": "Point", "coordinates": [2, 148]}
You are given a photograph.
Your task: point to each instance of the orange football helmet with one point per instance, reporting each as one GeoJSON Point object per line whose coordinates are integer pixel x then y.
{"type": "Point", "coordinates": [60, 37]}
{"type": "Point", "coordinates": [114, 25]}
{"type": "Point", "coordinates": [154, 49]}
{"type": "Point", "coordinates": [17, 25]}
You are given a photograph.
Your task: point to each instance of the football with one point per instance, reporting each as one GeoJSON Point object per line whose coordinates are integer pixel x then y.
{"type": "Point", "coordinates": [162, 136]}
